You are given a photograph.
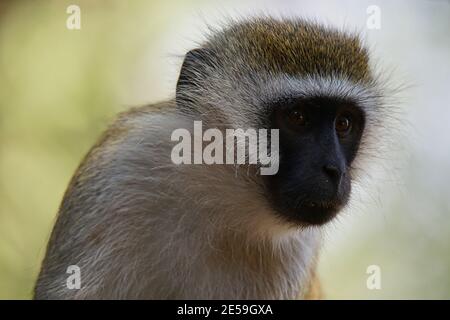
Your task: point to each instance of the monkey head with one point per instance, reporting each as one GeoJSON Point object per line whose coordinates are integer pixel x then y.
{"type": "Point", "coordinates": [313, 83]}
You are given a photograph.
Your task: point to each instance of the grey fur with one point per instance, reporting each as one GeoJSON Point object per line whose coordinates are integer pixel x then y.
{"type": "Point", "coordinates": [141, 227]}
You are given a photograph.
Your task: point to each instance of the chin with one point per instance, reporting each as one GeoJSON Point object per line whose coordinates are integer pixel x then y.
{"type": "Point", "coordinates": [312, 213]}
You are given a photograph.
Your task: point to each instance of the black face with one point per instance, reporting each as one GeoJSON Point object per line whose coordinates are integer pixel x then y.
{"type": "Point", "coordinates": [319, 138]}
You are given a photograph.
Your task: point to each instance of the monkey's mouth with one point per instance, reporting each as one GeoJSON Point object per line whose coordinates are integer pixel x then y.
{"type": "Point", "coordinates": [321, 205]}
{"type": "Point", "coordinates": [312, 212]}
{"type": "Point", "coordinates": [318, 212]}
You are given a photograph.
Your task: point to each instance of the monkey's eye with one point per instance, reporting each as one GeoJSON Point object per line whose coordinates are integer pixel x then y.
{"type": "Point", "coordinates": [297, 118]}
{"type": "Point", "coordinates": [343, 124]}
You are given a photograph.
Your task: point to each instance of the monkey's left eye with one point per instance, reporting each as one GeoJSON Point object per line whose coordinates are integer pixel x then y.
{"type": "Point", "coordinates": [297, 118]}
{"type": "Point", "coordinates": [343, 125]}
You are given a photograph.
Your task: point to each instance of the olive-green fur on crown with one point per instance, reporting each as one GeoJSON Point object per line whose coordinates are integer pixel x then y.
{"type": "Point", "coordinates": [294, 47]}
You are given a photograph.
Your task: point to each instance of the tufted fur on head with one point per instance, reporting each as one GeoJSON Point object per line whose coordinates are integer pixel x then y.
{"type": "Point", "coordinates": [139, 226]}
{"type": "Point", "coordinates": [233, 76]}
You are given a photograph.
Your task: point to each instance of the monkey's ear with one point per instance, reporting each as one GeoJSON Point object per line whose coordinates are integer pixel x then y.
{"type": "Point", "coordinates": [195, 67]}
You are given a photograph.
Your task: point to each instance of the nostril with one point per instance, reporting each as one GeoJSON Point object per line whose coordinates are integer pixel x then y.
{"type": "Point", "coordinates": [333, 172]}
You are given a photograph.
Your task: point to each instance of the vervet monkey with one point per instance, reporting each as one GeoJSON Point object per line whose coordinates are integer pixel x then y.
{"type": "Point", "coordinates": [139, 226]}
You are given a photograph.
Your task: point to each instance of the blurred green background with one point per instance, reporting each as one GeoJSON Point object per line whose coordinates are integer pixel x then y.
{"type": "Point", "coordinates": [59, 88]}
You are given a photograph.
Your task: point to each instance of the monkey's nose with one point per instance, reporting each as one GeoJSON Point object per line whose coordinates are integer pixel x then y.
{"type": "Point", "coordinates": [334, 173]}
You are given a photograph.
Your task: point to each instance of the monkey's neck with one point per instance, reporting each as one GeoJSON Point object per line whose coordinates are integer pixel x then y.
{"type": "Point", "coordinates": [239, 246]}
{"type": "Point", "coordinates": [235, 266]}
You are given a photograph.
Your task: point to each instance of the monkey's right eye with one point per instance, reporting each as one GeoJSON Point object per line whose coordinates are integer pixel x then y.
{"type": "Point", "coordinates": [297, 118]}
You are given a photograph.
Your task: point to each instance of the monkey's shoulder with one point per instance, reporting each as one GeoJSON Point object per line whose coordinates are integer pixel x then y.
{"type": "Point", "coordinates": [142, 123]}
{"type": "Point", "coordinates": [131, 145]}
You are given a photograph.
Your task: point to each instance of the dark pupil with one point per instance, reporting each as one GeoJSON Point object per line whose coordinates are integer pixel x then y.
{"type": "Point", "coordinates": [342, 124]}
{"type": "Point", "coordinates": [297, 117]}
